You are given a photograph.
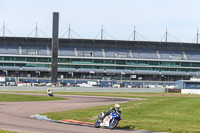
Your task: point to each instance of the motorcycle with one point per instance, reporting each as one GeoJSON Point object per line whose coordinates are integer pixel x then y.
{"type": "Point", "coordinates": [51, 94]}
{"type": "Point", "coordinates": [110, 121]}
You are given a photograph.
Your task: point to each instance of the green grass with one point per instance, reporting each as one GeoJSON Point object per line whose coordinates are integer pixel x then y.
{"type": "Point", "coordinates": [175, 113]}
{"type": "Point", "coordinates": [20, 98]}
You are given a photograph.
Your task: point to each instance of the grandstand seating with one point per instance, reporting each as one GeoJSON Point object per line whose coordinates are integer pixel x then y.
{"type": "Point", "coordinates": [89, 51]}
{"type": "Point", "coordinates": [9, 49]}
{"type": "Point", "coordinates": [193, 55]}
{"type": "Point", "coordinates": [146, 54]}
{"type": "Point", "coordinates": [33, 50]}
{"type": "Point", "coordinates": [117, 53]}
{"type": "Point", "coordinates": [65, 51]}
{"type": "Point", "coordinates": [98, 52]}
{"type": "Point", "coordinates": [172, 54]}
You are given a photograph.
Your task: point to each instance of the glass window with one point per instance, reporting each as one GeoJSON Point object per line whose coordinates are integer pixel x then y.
{"type": "Point", "coordinates": [120, 62]}
{"type": "Point", "coordinates": [31, 59]}
{"type": "Point", "coordinates": [198, 86]}
{"type": "Point", "coordinates": [109, 62]}
{"type": "Point", "coordinates": [9, 58]}
{"type": "Point", "coordinates": [1, 58]}
{"type": "Point", "coordinates": [20, 59]}
{"type": "Point", "coordinates": [131, 63]}
{"type": "Point", "coordinates": [35, 65]}
{"type": "Point", "coordinates": [87, 61]}
{"type": "Point", "coordinates": [20, 65]}
{"type": "Point", "coordinates": [185, 64]}
{"type": "Point", "coordinates": [153, 63]}
{"type": "Point", "coordinates": [63, 60]}
{"type": "Point", "coordinates": [99, 61]}
{"type": "Point", "coordinates": [192, 85]}
{"type": "Point", "coordinates": [195, 64]}
{"type": "Point", "coordinates": [9, 64]}
{"type": "Point", "coordinates": [142, 62]}
{"type": "Point", "coordinates": [43, 60]}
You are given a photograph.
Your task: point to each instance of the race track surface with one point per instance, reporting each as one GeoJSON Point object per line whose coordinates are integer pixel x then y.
{"type": "Point", "coordinates": [15, 116]}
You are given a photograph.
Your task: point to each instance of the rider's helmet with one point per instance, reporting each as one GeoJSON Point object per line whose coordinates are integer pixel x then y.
{"type": "Point", "coordinates": [48, 89]}
{"type": "Point", "coordinates": [117, 106]}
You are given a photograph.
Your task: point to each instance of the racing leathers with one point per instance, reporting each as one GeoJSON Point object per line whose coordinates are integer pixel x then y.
{"type": "Point", "coordinates": [111, 110]}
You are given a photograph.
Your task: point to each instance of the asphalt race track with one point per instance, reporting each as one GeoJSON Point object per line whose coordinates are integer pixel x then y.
{"type": "Point", "coordinates": [15, 116]}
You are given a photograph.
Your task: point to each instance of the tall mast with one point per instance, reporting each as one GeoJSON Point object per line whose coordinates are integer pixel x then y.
{"type": "Point", "coordinates": [134, 34]}
{"type": "Point", "coordinates": [166, 35]}
{"type": "Point", "coordinates": [197, 35]}
{"type": "Point", "coordinates": [36, 31]}
{"type": "Point", "coordinates": [69, 33]}
{"type": "Point", "coordinates": [102, 32]}
{"type": "Point", "coordinates": [4, 29]}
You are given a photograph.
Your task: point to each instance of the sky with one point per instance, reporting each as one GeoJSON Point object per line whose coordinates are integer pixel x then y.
{"type": "Point", "coordinates": [151, 19]}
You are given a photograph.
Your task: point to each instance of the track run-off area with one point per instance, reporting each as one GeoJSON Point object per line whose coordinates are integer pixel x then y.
{"type": "Point", "coordinates": [15, 116]}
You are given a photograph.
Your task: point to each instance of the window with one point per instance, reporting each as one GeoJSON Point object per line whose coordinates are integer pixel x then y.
{"type": "Point", "coordinates": [31, 59]}
{"type": "Point", "coordinates": [9, 58]}
{"type": "Point", "coordinates": [120, 62]}
{"type": "Point", "coordinates": [20, 58]}
{"type": "Point", "coordinates": [43, 59]}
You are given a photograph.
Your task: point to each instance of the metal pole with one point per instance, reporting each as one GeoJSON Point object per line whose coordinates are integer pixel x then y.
{"type": "Point", "coordinates": [134, 34]}
{"type": "Point", "coordinates": [69, 32]}
{"type": "Point", "coordinates": [102, 33]}
{"type": "Point", "coordinates": [4, 29]}
{"type": "Point", "coordinates": [36, 31]}
{"type": "Point", "coordinates": [166, 35]}
{"type": "Point", "coordinates": [197, 35]}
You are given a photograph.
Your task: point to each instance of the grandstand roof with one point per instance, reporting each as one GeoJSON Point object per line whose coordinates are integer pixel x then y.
{"type": "Point", "coordinates": [99, 43]}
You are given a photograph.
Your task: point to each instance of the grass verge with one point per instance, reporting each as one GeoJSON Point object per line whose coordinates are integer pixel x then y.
{"type": "Point", "coordinates": [20, 98]}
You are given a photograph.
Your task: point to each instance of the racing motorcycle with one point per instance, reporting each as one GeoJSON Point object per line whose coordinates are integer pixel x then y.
{"type": "Point", "coordinates": [51, 95]}
{"type": "Point", "coordinates": [110, 121]}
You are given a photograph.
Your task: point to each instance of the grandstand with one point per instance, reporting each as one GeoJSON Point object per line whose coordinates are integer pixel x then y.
{"type": "Point", "coordinates": [100, 59]}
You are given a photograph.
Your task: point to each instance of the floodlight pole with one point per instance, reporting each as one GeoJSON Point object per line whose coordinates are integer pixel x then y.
{"type": "Point", "coordinates": [197, 35]}
{"type": "Point", "coordinates": [166, 35]}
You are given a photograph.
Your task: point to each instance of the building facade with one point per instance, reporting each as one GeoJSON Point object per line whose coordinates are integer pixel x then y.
{"type": "Point", "coordinates": [100, 59]}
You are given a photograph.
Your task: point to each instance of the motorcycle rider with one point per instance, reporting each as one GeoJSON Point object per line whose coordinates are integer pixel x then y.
{"type": "Point", "coordinates": [49, 92]}
{"type": "Point", "coordinates": [111, 110]}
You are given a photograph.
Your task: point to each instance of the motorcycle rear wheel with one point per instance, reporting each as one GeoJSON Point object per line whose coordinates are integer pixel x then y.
{"type": "Point", "coordinates": [113, 124]}
{"type": "Point", "coordinates": [97, 124]}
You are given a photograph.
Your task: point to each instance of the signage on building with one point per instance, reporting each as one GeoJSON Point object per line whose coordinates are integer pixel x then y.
{"type": "Point", "coordinates": [133, 76]}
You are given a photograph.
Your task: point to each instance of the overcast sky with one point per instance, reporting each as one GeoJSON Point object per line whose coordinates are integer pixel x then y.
{"type": "Point", "coordinates": [118, 17]}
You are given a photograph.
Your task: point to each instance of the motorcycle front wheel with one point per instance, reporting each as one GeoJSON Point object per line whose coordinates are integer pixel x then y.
{"type": "Point", "coordinates": [113, 124]}
{"type": "Point", "coordinates": [97, 124]}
